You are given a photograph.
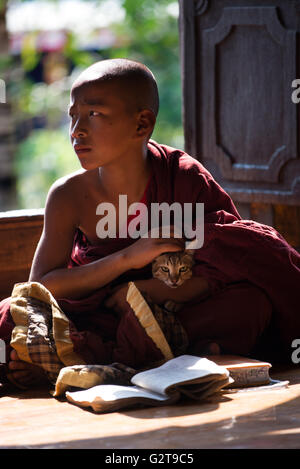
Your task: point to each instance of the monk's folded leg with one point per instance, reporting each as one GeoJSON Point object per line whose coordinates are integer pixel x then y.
{"type": "Point", "coordinates": [133, 345]}
{"type": "Point", "coordinates": [235, 318]}
{"type": "Point", "coordinates": [103, 337]}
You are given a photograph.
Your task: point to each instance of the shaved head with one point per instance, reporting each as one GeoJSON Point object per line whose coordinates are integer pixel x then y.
{"type": "Point", "coordinates": [136, 82]}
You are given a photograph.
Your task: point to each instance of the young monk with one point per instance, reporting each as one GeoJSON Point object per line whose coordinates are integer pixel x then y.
{"type": "Point", "coordinates": [243, 290]}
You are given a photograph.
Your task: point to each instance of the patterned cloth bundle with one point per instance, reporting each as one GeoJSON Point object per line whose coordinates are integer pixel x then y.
{"type": "Point", "coordinates": [42, 337]}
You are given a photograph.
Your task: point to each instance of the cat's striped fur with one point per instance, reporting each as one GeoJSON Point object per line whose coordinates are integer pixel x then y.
{"type": "Point", "coordinates": [173, 268]}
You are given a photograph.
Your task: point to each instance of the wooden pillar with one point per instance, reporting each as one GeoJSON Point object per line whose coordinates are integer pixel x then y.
{"type": "Point", "coordinates": [239, 59]}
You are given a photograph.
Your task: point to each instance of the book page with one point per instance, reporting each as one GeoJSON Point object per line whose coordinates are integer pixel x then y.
{"type": "Point", "coordinates": [202, 390]}
{"type": "Point", "coordinates": [108, 397]}
{"type": "Point", "coordinates": [177, 371]}
{"type": "Point", "coordinates": [113, 392]}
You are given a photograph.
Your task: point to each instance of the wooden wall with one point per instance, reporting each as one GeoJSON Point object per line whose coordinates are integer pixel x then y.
{"type": "Point", "coordinates": [19, 234]}
{"type": "Point", "coordinates": [239, 58]}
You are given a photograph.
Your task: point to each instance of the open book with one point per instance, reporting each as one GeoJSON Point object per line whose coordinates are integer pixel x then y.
{"type": "Point", "coordinates": [186, 375]}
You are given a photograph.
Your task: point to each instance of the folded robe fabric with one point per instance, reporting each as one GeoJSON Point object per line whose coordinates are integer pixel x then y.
{"type": "Point", "coordinates": [234, 250]}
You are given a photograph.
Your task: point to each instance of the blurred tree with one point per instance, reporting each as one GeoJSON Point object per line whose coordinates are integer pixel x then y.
{"type": "Point", "coordinates": [7, 178]}
{"type": "Point", "coordinates": [151, 31]}
{"type": "Point", "coordinates": [148, 33]}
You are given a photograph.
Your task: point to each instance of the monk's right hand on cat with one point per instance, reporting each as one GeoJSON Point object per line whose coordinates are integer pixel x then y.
{"type": "Point", "coordinates": [143, 251]}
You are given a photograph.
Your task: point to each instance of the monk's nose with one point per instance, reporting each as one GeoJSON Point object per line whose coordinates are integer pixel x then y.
{"type": "Point", "coordinates": [78, 131]}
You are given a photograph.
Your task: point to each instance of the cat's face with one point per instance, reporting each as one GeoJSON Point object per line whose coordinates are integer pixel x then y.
{"type": "Point", "coordinates": [173, 268]}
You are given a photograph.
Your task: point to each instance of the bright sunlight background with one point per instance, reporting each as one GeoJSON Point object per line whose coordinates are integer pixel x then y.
{"type": "Point", "coordinates": [50, 43]}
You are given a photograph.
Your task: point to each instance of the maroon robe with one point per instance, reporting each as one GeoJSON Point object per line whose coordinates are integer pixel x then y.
{"type": "Point", "coordinates": [253, 274]}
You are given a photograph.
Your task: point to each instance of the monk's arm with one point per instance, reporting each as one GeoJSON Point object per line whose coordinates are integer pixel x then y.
{"type": "Point", "coordinates": [50, 263]}
{"type": "Point", "coordinates": [159, 292]}
{"type": "Point", "coordinates": [83, 280]}
{"type": "Point", "coordinates": [52, 255]}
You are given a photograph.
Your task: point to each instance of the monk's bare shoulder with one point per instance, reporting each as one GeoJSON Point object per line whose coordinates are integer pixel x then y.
{"type": "Point", "coordinates": [74, 185]}
{"type": "Point", "coordinates": [65, 196]}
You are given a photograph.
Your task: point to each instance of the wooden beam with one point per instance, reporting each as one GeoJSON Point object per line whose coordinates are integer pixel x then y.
{"type": "Point", "coordinates": [20, 231]}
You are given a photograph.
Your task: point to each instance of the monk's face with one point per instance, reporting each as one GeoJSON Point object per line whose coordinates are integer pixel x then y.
{"type": "Point", "coordinates": [102, 129]}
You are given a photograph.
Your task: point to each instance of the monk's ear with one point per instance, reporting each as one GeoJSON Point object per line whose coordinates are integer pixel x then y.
{"type": "Point", "coordinates": [145, 123]}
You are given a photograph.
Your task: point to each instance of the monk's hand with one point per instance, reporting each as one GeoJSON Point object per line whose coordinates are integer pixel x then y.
{"type": "Point", "coordinates": [145, 250]}
{"type": "Point", "coordinates": [117, 300]}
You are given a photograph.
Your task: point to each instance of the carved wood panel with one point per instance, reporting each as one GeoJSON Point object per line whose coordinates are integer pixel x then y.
{"type": "Point", "coordinates": [239, 59]}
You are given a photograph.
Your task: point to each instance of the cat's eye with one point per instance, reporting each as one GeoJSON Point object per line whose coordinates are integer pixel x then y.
{"type": "Point", "coordinates": [183, 269]}
{"type": "Point", "coordinates": [164, 269]}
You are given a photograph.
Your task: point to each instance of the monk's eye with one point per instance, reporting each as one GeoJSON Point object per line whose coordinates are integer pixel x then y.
{"type": "Point", "coordinates": [94, 113]}
{"type": "Point", "coordinates": [165, 269]}
{"type": "Point", "coordinates": [183, 269]}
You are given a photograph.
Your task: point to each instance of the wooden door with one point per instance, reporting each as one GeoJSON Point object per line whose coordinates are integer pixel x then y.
{"type": "Point", "coordinates": [239, 60]}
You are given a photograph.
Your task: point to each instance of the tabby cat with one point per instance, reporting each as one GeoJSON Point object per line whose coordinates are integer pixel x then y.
{"type": "Point", "coordinates": [173, 268]}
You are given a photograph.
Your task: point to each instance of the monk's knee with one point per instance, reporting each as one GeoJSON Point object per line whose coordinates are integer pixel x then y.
{"type": "Point", "coordinates": [256, 309]}
{"type": "Point", "coordinates": [250, 316]}
{"type": "Point", "coordinates": [234, 317]}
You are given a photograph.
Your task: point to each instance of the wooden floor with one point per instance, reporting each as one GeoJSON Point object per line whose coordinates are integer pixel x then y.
{"type": "Point", "coordinates": [247, 419]}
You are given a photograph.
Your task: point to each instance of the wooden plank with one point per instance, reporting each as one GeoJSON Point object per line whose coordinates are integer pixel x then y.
{"type": "Point", "coordinates": [8, 279]}
{"type": "Point", "coordinates": [287, 222]}
{"type": "Point", "coordinates": [20, 232]}
{"type": "Point", "coordinates": [17, 245]}
{"type": "Point", "coordinates": [262, 213]}
{"type": "Point", "coordinates": [247, 419]}
{"type": "Point", "coordinates": [15, 216]}
{"type": "Point", "coordinates": [228, 95]}
{"type": "Point", "coordinates": [244, 210]}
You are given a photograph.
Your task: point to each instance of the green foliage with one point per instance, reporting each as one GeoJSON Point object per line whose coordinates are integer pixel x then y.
{"type": "Point", "coordinates": [5, 62]}
{"type": "Point", "coordinates": [152, 37]}
{"type": "Point", "coordinates": [149, 34]}
{"type": "Point", "coordinates": [42, 158]}
{"type": "Point", "coordinates": [78, 57]}
{"type": "Point", "coordinates": [2, 5]}
{"type": "Point", "coordinates": [29, 54]}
